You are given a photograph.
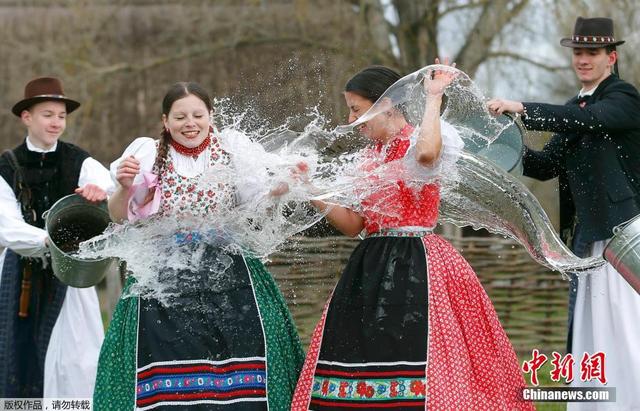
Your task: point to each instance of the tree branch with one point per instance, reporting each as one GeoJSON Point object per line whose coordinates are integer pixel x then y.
{"type": "Point", "coordinates": [470, 5]}
{"type": "Point", "coordinates": [494, 17]}
{"type": "Point", "coordinates": [516, 56]}
{"type": "Point", "coordinates": [196, 52]}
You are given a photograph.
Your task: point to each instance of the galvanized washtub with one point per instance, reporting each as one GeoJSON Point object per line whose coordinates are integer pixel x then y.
{"type": "Point", "coordinates": [71, 220]}
{"type": "Point", "coordinates": [506, 150]}
{"type": "Point", "coordinates": [623, 251]}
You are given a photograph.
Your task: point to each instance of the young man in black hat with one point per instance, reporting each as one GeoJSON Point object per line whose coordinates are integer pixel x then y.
{"type": "Point", "coordinates": [595, 154]}
{"type": "Point", "coordinates": [50, 334]}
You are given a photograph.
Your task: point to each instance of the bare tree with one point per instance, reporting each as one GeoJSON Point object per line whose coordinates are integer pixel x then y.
{"type": "Point", "coordinates": [416, 29]}
{"type": "Point", "coordinates": [278, 56]}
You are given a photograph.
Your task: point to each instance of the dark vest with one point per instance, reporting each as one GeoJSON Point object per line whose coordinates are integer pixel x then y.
{"type": "Point", "coordinates": [50, 176]}
{"type": "Point", "coordinates": [24, 341]}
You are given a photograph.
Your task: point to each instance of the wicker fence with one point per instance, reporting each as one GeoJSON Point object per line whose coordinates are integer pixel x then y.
{"type": "Point", "coordinates": [530, 300]}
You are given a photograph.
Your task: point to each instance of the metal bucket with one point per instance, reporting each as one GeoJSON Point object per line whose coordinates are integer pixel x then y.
{"type": "Point", "coordinates": [506, 150]}
{"type": "Point", "coordinates": [71, 220]}
{"type": "Point", "coordinates": [623, 251]}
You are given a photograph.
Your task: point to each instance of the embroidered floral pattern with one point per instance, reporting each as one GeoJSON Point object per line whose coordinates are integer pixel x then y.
{"type": "Point", "coordinates": [225, 382]}
{"type": "Point", "coordinates": [378, 389]}
{"type": "Point", "coordinates": [181, 194]}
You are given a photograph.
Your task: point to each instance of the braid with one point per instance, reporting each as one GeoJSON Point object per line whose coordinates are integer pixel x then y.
{"type": "Point", "coordinates": [163, 149]}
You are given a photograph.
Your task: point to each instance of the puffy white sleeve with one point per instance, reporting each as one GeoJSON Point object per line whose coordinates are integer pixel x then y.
{"type": "Point", "coordinates": [92, 172]}
{"type": "Point", "coordinates": [452, 146]}
{"type": "Point", "coordinates": [15, 233]}
{"type": "Point", "coordinates": [452, 143]}
{"type": "Point", "coordinates": [144, 150]}
{"type": "Point", "coordinates": [252, 182]}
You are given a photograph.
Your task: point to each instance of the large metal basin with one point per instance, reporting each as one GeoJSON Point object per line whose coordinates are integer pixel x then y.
{"type": "Point", "coordinates": [68, 222]}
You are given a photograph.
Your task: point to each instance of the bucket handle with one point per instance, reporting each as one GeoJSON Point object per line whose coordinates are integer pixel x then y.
{"type": "Point", "coordinates": [622, 226]}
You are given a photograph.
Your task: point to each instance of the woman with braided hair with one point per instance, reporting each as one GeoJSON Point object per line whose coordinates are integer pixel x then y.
{"type": "Point", "coordinates": [230, 342]}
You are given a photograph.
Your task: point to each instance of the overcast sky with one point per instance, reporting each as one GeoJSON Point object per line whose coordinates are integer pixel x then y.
{"type": "Point", "coordinates": [539, 41]}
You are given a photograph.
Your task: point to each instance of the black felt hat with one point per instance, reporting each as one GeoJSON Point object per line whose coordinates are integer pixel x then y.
{"type": "Point", "coordinates": [595, 32]}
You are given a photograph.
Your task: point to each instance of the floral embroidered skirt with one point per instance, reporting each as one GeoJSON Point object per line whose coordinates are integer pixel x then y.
{"type": "Point", "coordinates": [409, 326]}
{"type": "Point", "coordinates": [232, 346]}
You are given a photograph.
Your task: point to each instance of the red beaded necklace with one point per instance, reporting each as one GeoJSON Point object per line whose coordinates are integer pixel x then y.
{"type": "Point", "coordinates": [191, 151]}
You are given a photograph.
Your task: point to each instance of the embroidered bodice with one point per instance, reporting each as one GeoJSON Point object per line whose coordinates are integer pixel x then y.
{"type": "Point", "coordinates": [182, 194]}
{"type": "Point", "coordinates": [397, 204]}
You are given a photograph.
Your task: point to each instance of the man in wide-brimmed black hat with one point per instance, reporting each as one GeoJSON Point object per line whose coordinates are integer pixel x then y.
{"type": "Point", "coordinates": [50, 333]}
{"type": "Point", "coordinates": [595, 153]}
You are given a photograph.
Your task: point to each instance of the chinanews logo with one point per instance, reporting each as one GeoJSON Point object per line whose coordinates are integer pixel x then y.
{"type": "Point", "coordinates": [592, 370]}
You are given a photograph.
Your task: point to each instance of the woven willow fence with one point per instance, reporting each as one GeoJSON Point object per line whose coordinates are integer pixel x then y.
{"type": "Point", "coordinates": [530, 300]}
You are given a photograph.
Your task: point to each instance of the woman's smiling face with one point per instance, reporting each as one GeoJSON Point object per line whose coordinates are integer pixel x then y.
{"type": "Point", "coordinates": [188, 121]}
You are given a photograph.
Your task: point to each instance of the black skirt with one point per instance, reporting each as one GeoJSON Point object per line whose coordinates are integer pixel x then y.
{"type": "Point", "coordinates": [377, 323]}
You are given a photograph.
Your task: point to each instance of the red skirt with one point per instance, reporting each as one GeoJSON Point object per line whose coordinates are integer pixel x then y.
{"type": "Point", "coordinates": [391, 337]}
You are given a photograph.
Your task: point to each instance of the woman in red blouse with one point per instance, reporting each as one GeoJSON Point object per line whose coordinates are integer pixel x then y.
{"type": "Point", "coordinates": [409, 325]}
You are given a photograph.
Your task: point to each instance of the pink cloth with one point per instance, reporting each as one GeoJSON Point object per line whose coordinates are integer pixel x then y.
{"type": "Point", "coordinates": [138, 193]}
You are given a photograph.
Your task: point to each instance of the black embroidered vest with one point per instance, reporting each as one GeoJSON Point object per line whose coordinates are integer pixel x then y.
{"type": "Point", "coordinates": [23, 347]}
{"type": "Point", "coordinates": [50, 176]}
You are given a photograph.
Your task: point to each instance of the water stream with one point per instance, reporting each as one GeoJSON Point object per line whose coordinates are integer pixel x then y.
{"type": "Point", "coordinates": [340, 167]}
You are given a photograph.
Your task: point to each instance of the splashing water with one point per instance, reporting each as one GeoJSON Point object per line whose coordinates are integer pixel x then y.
{"type": "Point", "coordinates": [336, 166]}
{"type": "Point", "coordinates": [160, 251]}
{"type": "Point", "coordinates": [474, 191]}
{"type": "Point", "coordinates": [484, 196]}
{"type": "Point", "coordinates": [464, 105]}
